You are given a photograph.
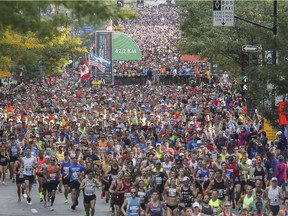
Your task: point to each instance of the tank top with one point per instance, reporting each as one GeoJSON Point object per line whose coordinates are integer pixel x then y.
{"type": "Point", "coordinates": [186, 195]}
{"type": "Point", "coordinates": [159, 177]}
{"type": "Point", "coordinates": [245, 169]}
{"type": "Point", "coordinates": [260, 174]}
{"type": "Point", "coordinates": [172, 192]}
{"type": "Point", "coordinates": [247, 201]}
{"type": "Point", "coordinates": [220, 186]}
{"type": "Point", "coordinates": [60, 157]}
{"type": "Point", "coordinates": [133, 206]}
{"type": "Point", "coordinates": [89, 189]}
{"type": "Point", "coordinates": [52, 172]}
{"type": "Point", "coordinates": [156, 211]}
{"type": "Point", "coordinates": [204, 174]}
{"type": "Point", "coordinates": [65, 168]}
{"type": "Point", "coordinates": [207, 211]}
{"type": "Point", "coordinates": [14, 151]}
{"type": "Point", "coordinates": [40, 162]}
{"type": "Point", "coordinates": [114, 173]}
{"type": "Point", "coordinates": [273, 195]}
{"type": "Point", "coordinates": [125, 187]}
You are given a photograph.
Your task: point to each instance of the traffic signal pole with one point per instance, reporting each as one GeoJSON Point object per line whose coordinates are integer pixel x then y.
{"type": "Point", "coordinates": [273, 29]}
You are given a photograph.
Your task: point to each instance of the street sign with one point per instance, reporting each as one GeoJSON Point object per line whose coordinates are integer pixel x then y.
{"type": "Point", "coordinates": [251, 48]}
{"type": "Point", "coordinates": [120, 3]}
{"type": "Point", "coordinates": [223, 13]}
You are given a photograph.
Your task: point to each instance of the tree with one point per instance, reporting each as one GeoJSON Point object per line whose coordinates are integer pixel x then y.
{"type": "Point", "coordinates": [223, 45]}
{"type": "Point", "coordinates": [35, 37]}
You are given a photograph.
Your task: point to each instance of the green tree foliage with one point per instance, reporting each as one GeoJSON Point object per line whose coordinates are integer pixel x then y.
{"type": "Point", "coordinates": [37, 38]}
{"type": "Point", "coordinates": [223, 45]}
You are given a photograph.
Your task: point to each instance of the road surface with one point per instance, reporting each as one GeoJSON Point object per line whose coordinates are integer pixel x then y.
{"type": "Point", "coordinates": [10, 207]}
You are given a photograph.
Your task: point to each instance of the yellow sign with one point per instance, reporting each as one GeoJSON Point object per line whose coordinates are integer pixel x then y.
{"type": "Point", "coordinates": [270, 131]}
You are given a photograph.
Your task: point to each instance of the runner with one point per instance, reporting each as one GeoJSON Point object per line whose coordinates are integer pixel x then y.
{"type": "Point", "coordinates": [122, 191]}
{"type": "Point", "coordinates": [275, 195]}
{"type": "Point", "coordinates": [88, 186]}
{"type": "Point", "coordinates": [284, 210]}
{"type": "Point", "coordinates": [154, 207]}
{"type": "Point", "coordinates": [227, 210]}
{"type": "Point", "coordinates": [19, 176]}
{"type": "Point", "coordinates": [64, 167]}
{"type": "Point", "coordinates": [30, 163]}
{"type": "Point", "coordinates": [4, 158]}
{"type": "Point", "coordinates": [14, 152]}
{"type": "Point", "coordinates": [75, 174]}
{"type": "Point", "coordinates": [41, 160]}
{"type": "Point", "coordinates": [171, 196]}
{"type": "Point", "coordinates": [132, 204]}
{"type": "Point", "coordinates": [52, 176]}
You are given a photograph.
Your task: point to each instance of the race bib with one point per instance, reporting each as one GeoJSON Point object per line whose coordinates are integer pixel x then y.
{"type": "Point", "coordinates": [89, 190]}
{"type": "Point", "coordinates": [134, 209]}
{"type": "Point", "coordinates": [29, 169]}
{"type": "Point", "coordinates": [75, 176]}
{"type": "Point", "coordinates": [158, 180]}
{"type": "Point", "coordinates": [53, 176]}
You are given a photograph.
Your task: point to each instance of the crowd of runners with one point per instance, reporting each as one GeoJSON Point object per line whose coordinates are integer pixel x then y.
{"type": "Point", "coordinates": [154, 150]}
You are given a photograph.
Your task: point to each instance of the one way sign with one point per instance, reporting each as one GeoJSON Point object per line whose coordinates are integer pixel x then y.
{"type": "Point", "coordinates": [223, 13]}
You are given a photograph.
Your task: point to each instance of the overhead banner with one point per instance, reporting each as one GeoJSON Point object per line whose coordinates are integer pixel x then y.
{"type": "Point", "coordinates": [125, 48]}
{"type": "Point", "coordinates": [102, 58]}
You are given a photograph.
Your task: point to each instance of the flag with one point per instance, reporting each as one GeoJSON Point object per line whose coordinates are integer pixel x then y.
{"type": "Point", "coordinates": [85, 71]}
{"type": "Point", "coordinates": [99, 66]}
{"type": "Point", "coordinates": [99, 62]}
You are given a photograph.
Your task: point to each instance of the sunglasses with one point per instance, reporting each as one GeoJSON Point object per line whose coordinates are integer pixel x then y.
{"type": "Point", "coordinates": [227, 205]}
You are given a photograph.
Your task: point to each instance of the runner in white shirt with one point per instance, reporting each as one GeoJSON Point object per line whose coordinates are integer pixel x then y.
{"type": "Point", "coordinates": [30, 163]}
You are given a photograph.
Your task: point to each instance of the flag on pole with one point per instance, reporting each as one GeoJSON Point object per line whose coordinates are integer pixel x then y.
{"type": "Point", "coordinates": [85, 74]}
{"type": "Point", "coordinates": [99, 62]}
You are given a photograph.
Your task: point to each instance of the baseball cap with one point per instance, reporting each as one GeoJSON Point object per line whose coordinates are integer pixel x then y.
{"type": "Point", "coordinates": [274, 179]}
{"type": "Point", "coordinates": [196, 204]}
{"type": "Point", "coordinates": [185, 179]}
{"type": "Point", "coordinates": [158, 162]}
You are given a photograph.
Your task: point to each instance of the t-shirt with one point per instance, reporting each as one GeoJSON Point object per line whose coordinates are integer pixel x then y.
{"type": "Point", "coordinates": [28, 165]}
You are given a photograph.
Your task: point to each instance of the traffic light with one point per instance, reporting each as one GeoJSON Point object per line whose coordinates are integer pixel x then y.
{"type": "Point", "coordinates": [244, 87]}
{"type": "Point", "coordinates": [244, 60]}
{"type": "Point", "coordinates": [120, 3]}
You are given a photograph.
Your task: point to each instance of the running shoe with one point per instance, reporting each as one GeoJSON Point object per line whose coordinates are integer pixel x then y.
{"type": "Point", "coordinates": [3, 183]}
{"type": "Point", "coordinates": [101, 196]}
{"type": "Point", "coordinates": [41, 199]}
{"type": "Point", "coordinates": [66, 201]}
{"type": "Point", "coordinates": [25, 196]}
{"type": "Point", "coordinates": [51, 208]}
{"type": "Point", "coordinates": [73, 207]}
{"type": "Point", "coordinates": [29, 201]}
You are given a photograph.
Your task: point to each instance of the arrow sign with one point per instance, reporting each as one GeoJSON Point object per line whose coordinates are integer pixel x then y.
{"type": "Point", "coordinates": [120, 3]}
{"type": "Point", "coordinates": [251, 48]}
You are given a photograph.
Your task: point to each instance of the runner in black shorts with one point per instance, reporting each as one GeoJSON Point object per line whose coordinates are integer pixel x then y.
{"type": "Point", "coordinates": [88, 185]}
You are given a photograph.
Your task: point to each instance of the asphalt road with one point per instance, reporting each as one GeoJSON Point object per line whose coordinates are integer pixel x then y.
{"type": "Point", "coordinates": [10, 207]}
